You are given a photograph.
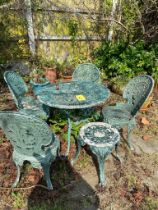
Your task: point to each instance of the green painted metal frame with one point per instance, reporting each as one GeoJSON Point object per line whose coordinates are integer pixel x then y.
{"type": "Point", "coordinates": [123, 114]}
{"type": "Point", "coordinates": [32, 141]}
{"type": "Point", "coordinates": [101, 138]}
{"type": "Point", "coordinates": [64, 99]}
{"type": "Point", "coordinates": [25, 104]}
{"type": "Point", "coordinates": [86, 72]}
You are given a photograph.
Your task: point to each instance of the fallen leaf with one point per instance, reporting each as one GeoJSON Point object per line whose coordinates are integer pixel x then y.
{"type": "Point", "coordinates": [123, 192]}
{"type": "Point", "coordinates": [144, 121]}
{"type": "Point", "coordinates": [33, 178]}
{"type": "Point", "coordinates": [138, 196]}
{"type": "Point", "coordinates": [146, 138]}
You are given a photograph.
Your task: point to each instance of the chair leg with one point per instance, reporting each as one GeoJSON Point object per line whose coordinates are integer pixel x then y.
{"type": "Point", "coordinates": [46, 169]}
{"type": "Point", "coordinates": [75, 158]}
{"type": "Point", "coordinates": [69, 136]}
{"type": "Point", "coordinates": [101, 164]}
{"type": "Point", "coordinates": [116, 156]}
{"type": "Point", "coordinates": [17, 177]}
{"type": "Point", "coordinates": [58, 152]}
{"type": "Point", "coordinates": [130, 128]}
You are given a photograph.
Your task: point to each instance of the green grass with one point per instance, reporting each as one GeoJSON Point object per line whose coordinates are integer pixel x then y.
{"type": "Point", "coordinates": [18, 200]}
{"type": "Point", "coordinates": [4, 99]}
{"type": "Point", "coordinates": [150, 204]}
{"type": "Point", "coordinates": [1, 140]}
{"type": "Point", "coordinates": [84, 160]}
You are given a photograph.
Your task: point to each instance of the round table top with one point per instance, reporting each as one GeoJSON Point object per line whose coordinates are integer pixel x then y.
{"type": "Point", "coordinates": [99, 134]}
{"type": "Point", "coordinates": [73, 95]}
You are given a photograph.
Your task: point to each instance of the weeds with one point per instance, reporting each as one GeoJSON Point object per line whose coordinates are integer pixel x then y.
{"type": "Point", "coordinates": [149, 204]}
{"type": "Point", "coordinates": [18, 200]}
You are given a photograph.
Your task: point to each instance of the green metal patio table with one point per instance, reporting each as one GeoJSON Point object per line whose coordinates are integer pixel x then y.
{"type": "Point", "coordinates": [73, 95]}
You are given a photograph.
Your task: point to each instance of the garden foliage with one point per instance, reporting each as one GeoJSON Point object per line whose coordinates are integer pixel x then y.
{"type": "Point", "coordinates": [127, 59]}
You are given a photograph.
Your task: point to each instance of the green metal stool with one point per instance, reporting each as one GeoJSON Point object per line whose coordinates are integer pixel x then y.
{"type": "Point", "coordinates": [101, 138]}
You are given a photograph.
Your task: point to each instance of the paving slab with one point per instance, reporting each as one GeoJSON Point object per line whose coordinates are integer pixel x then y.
{"type": "Point", "coordinates": [140, 146]}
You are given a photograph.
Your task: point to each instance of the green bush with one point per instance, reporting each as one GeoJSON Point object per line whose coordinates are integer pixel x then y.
{"type": "Point", "coordinates": [128, 60]}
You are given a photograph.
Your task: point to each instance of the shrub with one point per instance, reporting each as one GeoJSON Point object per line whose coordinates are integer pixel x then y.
{"type": "Point", "coordinates": [128, 60]}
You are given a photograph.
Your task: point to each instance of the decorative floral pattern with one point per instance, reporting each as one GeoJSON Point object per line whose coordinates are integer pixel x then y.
{"type": "Point", "coordinates": [136, 92]}
{"type": "Point", "coordinates": [32, 140]}
{"type": "Point", "coordinates": [64, 96]}
{"type": "Point", "coordinates": [16, 85]}
{"type": "Point", "coordinates": [99, 134]}
{"type": "Point", "coordinates": [86, 72]}
{"type": "Point", "coordinates": [26, 104]}
{"type": "Point", "coordinates": [101, 138]}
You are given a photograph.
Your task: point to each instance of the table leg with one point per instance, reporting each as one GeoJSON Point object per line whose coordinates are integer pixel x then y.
{"type": "Point", "coordinates": [69, 136]}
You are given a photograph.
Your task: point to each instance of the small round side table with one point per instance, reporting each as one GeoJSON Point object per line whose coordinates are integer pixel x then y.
{"type": "Point", "coordinates": [101, 138]}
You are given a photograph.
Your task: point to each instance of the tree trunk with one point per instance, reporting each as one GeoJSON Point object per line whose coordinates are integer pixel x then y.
{"type": "Point", "coordinates": [31, 36]}
{"type": "Point", "coordinates": [111, 25]}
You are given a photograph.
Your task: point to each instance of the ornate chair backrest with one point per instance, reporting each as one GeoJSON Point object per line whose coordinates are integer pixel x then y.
{"type": "Point", "coordinates": [86, 72]}
{"type": "Point", "coordinates": [28, 135]}
{"type": "Point", "coordinates": [137, 91]}
{"type": "Point", "coordinates": [16, 85]}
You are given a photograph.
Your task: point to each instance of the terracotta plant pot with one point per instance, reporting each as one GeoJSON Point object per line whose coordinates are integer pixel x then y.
{"type": "Point", "coordinates": [117, 87]}
{"type": "Point", "coordinates": [66, 74]}
{"type": "Point", "coordinates": [118, 84]}
{"type": "Point", "coordinates": [66, 78]}
{"type": "Point", "coordinates": [51, 74]}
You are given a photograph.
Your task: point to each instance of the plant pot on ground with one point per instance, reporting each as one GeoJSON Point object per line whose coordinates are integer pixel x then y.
{"type": "Point", "coordinates": [51, 69]}
{"type": "Point", "coordinates": [67, 73]}
{"type": "Point", "coordinates": [118, 84]}
{"type": "Point", "coordinates": [51, 74]}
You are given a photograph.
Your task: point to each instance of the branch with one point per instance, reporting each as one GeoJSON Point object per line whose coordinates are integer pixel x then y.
{"type": "Point", "coordinates": [6, 6]}
{"type": "Point", "coordinates": [121, 24]}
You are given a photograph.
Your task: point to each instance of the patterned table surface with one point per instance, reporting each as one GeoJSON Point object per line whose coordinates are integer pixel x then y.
{"type": "Point", "coordinates": [73, 95]}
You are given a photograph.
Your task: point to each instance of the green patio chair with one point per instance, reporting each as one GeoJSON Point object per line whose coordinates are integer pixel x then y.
{"type": "Point", "coordinates": [86, 72]}
{"type": "Point", "coordinates": [25, 104]}
{"type": "Point", "coordinates": [32, 141]}
{"type": "Point", "coordinates": [123, 114]}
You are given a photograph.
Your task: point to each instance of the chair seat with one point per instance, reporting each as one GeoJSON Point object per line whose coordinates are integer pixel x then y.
{"type": "Point", "coordinates": [35, 112]}
{"type": "Point", "coordinates": [33, 107]}
{"type": "Point", "coordinates": [99, 134]}
{"type": "Point", "coordinates": [116, 117]}
{"type": "Point", "coordinates": [29, 102]}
